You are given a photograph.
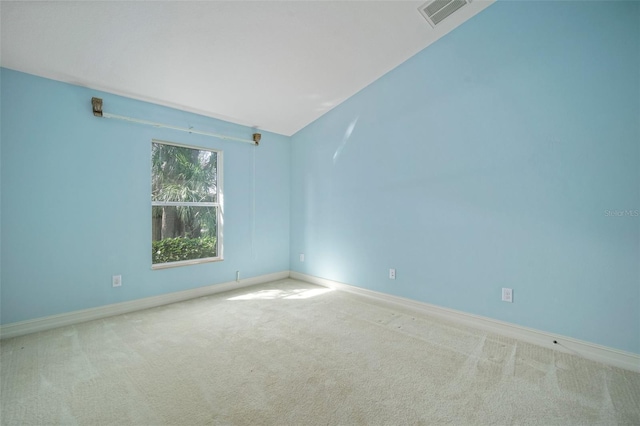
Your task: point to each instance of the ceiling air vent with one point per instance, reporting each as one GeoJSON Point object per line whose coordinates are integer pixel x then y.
{"type": "Point", "coordinates": [435, 11]}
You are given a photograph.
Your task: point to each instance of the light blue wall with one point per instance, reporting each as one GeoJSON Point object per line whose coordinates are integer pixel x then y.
{"type": "Point", "coordinates": [76, 200]}
{"type": "Point", "coordinates": [489, 160]}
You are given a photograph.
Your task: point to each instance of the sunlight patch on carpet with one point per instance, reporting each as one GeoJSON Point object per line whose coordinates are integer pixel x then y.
{"type": "Point", "coordinates": [302, 293]}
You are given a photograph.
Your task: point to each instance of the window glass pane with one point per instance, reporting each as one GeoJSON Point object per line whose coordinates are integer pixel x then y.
{"type": "Point", "coordinates": [183, 233]}
{"type": "Point", "coordinates": [181, 174]}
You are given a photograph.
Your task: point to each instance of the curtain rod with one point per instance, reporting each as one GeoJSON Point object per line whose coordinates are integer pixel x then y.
{"type": "Point", "coordinates": [97, 111]}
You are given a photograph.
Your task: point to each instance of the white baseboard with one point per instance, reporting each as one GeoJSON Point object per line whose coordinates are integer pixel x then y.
{"type": "Point", "coordinates": [606, 355]}
{"type": "Point", "coordinates": [592, 351]}
{"type": "Point", "coordinates": [54, 321]}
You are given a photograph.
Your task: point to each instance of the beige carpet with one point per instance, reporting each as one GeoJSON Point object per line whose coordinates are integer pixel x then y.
{"type": "Point", "coordinates": [290, 353]}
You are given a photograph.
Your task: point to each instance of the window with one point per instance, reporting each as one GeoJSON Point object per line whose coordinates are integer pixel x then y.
{"type": "Point", "coordinates": [186, 205]}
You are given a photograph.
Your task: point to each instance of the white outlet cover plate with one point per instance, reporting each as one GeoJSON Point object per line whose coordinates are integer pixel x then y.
{"type": "Point", "coordinates": [116, 280]}
{"type": "Point", "coordinates": [507, 295]}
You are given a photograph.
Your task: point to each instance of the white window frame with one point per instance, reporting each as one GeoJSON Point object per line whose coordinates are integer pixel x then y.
{"type": "Point", "coordinates": [219, 210]}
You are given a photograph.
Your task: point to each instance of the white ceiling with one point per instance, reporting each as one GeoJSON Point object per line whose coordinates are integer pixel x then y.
{"type": "Point", "coordinates": [274, 65]}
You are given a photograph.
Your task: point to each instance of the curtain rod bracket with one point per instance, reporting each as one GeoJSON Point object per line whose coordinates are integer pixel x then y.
{"type": "Point", "coordinates": [256, 138]}
{"type": "Point", "coordinates": [97, 106]}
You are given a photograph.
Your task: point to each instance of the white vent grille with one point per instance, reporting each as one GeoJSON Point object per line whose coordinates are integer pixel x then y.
{"type": "Point", "coordinates": [435, 11]}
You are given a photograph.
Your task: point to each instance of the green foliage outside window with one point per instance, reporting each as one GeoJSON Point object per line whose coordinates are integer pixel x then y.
{"type": "Point", "coordinates": [177, 249]}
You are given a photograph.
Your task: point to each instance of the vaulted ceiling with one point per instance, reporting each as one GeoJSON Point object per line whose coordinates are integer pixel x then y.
{"type": "Point", "coordinates": [274, 65]}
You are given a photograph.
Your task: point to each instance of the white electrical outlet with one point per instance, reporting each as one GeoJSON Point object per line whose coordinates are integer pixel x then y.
{"type": "Point", "coordinates": [301, 257]}
{"type": "Point", "coordinates": [392, 274]}
{"type": "Point", "coordinates": [116, 281]}
{"type": "Point", "coordinates": [507, 295]}
{"type": "Point", "coordinates": [238, 276]}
